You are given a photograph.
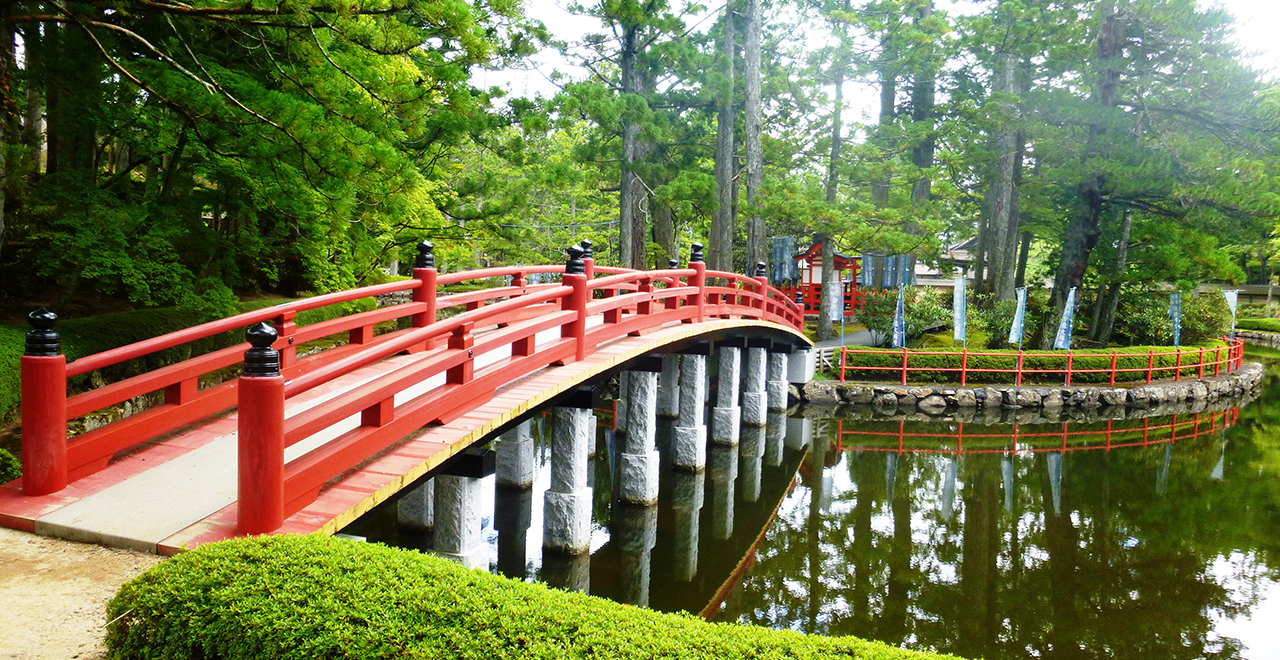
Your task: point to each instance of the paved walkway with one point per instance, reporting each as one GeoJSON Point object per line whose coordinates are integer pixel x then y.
{"type": "Point", "coordinates": [854, 338]}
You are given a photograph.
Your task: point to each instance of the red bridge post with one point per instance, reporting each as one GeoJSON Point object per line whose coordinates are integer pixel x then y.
{"type": "Point", "coordinates": [424, 270]}
{"type": "Point", "coordinates": [762, 287]}
{"type": "Point", "coordinates": [575, 276]}
{"type": "Point", "coordinates": [699, 280]}
{"type": "Point", "coordinates": [44, 407]}
{"type": "Point", "coordinates": [588, 259]}
{"type": "Point", "coordinates": [261, 436]}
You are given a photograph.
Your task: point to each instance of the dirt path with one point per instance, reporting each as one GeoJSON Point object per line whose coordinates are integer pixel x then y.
{"type": "Point", "coordinates": [53, 595]}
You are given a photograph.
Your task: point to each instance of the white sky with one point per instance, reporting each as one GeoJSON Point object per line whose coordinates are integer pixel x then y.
{"type": "Point", "coordinates": [1257, 33]}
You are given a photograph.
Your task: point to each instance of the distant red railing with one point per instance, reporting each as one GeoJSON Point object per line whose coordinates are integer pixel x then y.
{"type": "Point", "coordinates": [1229, 356]}
{"type": "Point", "coordinates": [625, 302]}
{"type": "Point", "coordinates": [1115, 435]}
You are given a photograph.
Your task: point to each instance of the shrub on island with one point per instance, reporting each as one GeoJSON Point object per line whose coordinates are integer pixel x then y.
{"type": "Point", "coordinates": [317, 597]}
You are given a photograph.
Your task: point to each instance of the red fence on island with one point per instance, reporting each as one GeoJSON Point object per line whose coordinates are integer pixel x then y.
{"type": "Point", "coordinates": [590, 305]}
{"type": "Point", "coordinates": [1226, 357]}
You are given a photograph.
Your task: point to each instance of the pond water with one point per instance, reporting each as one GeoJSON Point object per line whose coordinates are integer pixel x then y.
{"type": "Point", "coordinates": [980, 540]}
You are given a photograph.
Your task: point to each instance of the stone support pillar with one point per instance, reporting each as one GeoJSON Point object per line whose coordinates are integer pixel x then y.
{"type": "Point", "coordinates": [457, 531]}
{"type": "Point", "coordinates": [801, 365]}
{"type": "Point", "coordinates": [669, 387]}
{"type": "Point", "coordinates": [754, 405]}
{"type": "Point", "coordinates": [751, 457]}
{"type": "Point", "coordinates": [775, 432]}
{"type": "Point", "coordinates": [637, 532]}
{"type": "Point", "coordinates": [726, 416]}
{"type": "Point", "coordinates": [515, 459]}
{"type": "Point", "coordinates": [639, 461]}
{"type": "Point", "coordinates": [776, 381]}
{"type": "Point", "coordinates": [512, 514]}
{"type": "Point", "coordinates": [567, 506]}
{"type": "Point", "coordinates": [568, 572]}
{"type": "Point", "coordinates": [799, 432]}
{"type": "Point", "coordinates": [689, 445]}
{"type": "Point", "coordinates": [688, 491]}
{"type": "Point", "coordinates": [416, 509]}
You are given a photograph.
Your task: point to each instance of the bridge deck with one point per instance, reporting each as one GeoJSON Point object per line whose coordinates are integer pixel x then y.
{"type": "Point", "coordinates": [179, 491]}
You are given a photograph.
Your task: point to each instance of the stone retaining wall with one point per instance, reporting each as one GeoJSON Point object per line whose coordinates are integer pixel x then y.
{"type": "Point", "coordinates": [938, 400]}
{"type": "Point", "coordinates": [1259, 338]}
{"type": "Point", "coordinates": [394, 298]}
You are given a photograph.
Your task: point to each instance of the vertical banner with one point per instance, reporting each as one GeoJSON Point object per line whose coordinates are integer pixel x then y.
{"type": "Point", "coordinates": [1063, 340]}
{"type": "Point", "coordinates": [890, 271]}
{"type": "Point", "coordinates": [912, 272]}
{"type": "Point", "coordinates": [1232, 298]}
{"type": "Point", "coordinates": [899, 323]}
{"type": "Point", "coordinates": [1015, 331]}
{"type": "Point", "coordinates": [868, 271]}
{"type": "Point", "coordinates": [1175, 317]}
{"type": "Point", "coordinates": [905, 267]}
{"type": "Point", "coordinates": [783, 265]}
{"type": "Point", "coordinates": [959, 313]}
{"type": "Point", "coordinates": [835, 297]}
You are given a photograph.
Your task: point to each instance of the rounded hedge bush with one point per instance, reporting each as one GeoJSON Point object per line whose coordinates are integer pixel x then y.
{"type": "Point", "coordinates": [318, 597]}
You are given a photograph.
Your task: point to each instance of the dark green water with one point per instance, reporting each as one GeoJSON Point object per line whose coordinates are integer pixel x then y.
{"type": "Point", "coordinates": [1169, 550]}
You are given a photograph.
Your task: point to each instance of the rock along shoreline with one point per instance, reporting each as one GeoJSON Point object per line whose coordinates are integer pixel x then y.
{"type": "Point", "coordinates": [936, 400]}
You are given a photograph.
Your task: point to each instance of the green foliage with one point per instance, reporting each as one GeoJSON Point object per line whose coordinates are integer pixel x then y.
{"type": "Point", "coordinates": [315, 597]}
{"type": "Point", "coordinates": [995, 318]}
{"type": "Point", "coordinates": [10, 467]}
{"type": "Point", "coordinates": [1205, 316]}
{"type": "Point", "coordinates": [922, 310]}
{"type": "Point", "coordinates": [1131, 364]}
{"type": "Point", "coordinates": [1262, 325]}
{"type": "Point", "coordinates": [12, 344]}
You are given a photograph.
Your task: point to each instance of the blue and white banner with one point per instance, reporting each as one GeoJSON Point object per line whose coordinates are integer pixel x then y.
{"type": "Point", "coordinates": [868, 271]}
{"type": "Point", "coordinates": [1063, 340]}
{"type": "Point", "coordinates": [959, 312]}
{"type": "Point", "coordinates": [1232, 297]}
{"type": "Point", "coordinates": [835, 298]}
{"type": "Point", "coordinates": [906, 268]}
{"type": "Point", "coordinates": [1015, 331]}
{"type": "Point", "coordinates": [783, 265]}
{"type": "Point", "coordinates": [890, 271]}
{"type": "Point", "coordinates": [1175, 317]}
{"type": "Point", "coordinates": [899, 323]}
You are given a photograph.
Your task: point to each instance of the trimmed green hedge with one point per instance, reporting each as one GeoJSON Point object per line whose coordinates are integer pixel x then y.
{"type": "Point", "coordinates": [1131, 357]}
{"type": "Point", "coordinates": [317, 597]}
{"type": "Point", "coordinates": [1264, 325]}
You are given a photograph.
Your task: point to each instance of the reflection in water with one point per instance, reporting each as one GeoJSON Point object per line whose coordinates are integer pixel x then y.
{"type": "Point", "coordinates": [995, 541]}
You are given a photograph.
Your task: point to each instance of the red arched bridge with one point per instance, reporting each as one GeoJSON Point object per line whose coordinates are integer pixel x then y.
{"type": "Point", "coordinates": [316, 439]}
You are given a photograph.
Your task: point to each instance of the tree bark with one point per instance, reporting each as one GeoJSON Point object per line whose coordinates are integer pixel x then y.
{"type": "Point", "coordinates": [887, 72]}
{"type": "Point", "coordinates": [1000, 194]}
{"type": "Point", "coordinates": [829, 282]}
{"type": "Point", "coordinates": [720, 247]}
{"type": "Point", "coordinates": [923, 85]}
{"type": "Point", "coordinates": [1108, 319]}
{"type": "Point", "coordinates": [664, 230]}
{"type": "Point", "coordinates": [1020, 280]}
{"type": "Point", "coordinates": [755, 156]}
{"type": "Point", "coordinates": [631, 223]}
{"type": "Point", "coordinates": [825, 304]}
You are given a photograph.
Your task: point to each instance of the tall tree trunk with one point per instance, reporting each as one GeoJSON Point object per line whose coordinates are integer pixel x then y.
{"type": "Point", "coordinates": [630, 221]}
{"type": "Point", "coordinates": [980, 262]}
{"type": "Point", "coordinates": [755, 156]}
{"type": "Point", "coordinates": [664, 230]}
{"type": "Point", "coordinates": [720, 247]}
{"type": "Point", "coordinates": [1020, 280]}
{"type": "Point", "coordinates": [1000, 195]}
{"type": "Point", "coordinates": [1083, 228]}
{"type": "Point", "coordinates": [32, 133]}
{"type": "Point", "coordinates": [923, 85]}
{"type": "Point", "coordinates": [1108, 320]}
{"type": "Point", "coordinates": [887, 72]}
{"type": "Point", "coordinates": [825, 304]}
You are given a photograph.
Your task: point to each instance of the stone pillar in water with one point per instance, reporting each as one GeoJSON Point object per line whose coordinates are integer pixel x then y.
{"type": "Point", "coordinates": [751, 457]}
{"type": "Point", "coordinates": [799, 432]}
{"type": "Point", "coordinates": [776, 381]}
{"type": "Point", "coordinates": [637, 532]}
{"type": "Point", "coordinates": [689, 446]}
{"type": "Point", "coordinates": [754, 404]}
{"type": "Point", "coordinates": [515, 460]}
{"type": "Point", "coordinates": [723, 471]}
{"type": "Point", "coordinates": [638, 463]}
{"type": "Point", "coordinates": [725, 417]}
{"type": "Point", "coordinates": [568, 572]}
{"type": "Point", "coordinates": [567, 507]}
{"type": "Point", "coordinates": [457, 535]}
{"type": "Point", "coordinates": [687, 493]}
{"type": "Point", "coordinates": [774, 434]}
{"type": "Point", "coordinates": [512, 513]}
{"type": "Point", "coordinates": [669, 387]}
{"type": "Point", "coordinates": [416, 509]}
{"type": "Point", "coordinates": [801, 365]}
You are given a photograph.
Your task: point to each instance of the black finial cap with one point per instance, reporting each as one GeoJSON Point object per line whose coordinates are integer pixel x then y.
{"type": "Point", "coordinates": [261, 360]}
{"type": "Point", "coordinates": [425, 257]}
{"type": "Point", "coordinates": [673, 264]}
{"type": "Point", "coordinates": [586, 249]}
{"type": "Point", "coordinates": [42, 341]}
{"type": "Point", "coordinates": [575, 266]}
{"type": "Point", "coordinates": [762, 269]}
{"type": "Point", "coordinates": [695, 253]}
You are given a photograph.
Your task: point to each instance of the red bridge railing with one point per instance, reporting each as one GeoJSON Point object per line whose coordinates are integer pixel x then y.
{"type": "Point", "coordinates": [1192, 361]}
{"type": "Point", "coordinates": [588, 310]}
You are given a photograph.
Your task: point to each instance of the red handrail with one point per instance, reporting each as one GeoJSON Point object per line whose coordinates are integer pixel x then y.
{"type": "Point", "coordinates": [1070, 371]}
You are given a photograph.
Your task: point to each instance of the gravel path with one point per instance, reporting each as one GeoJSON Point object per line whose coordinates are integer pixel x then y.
{"type": "Point", "coordinates": [53, 595]}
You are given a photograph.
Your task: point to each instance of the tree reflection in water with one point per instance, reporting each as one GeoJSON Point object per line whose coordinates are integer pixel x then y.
{"type": "Point", "coordinates": [1128, 553]}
